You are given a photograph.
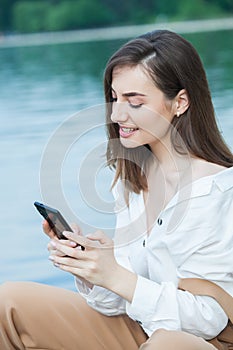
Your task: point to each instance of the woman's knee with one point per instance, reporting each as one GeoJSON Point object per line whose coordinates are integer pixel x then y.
{"type": "Point", "coordinates": [158, 338]}
{"type": "Point", "coordinates": [10, 290]}
{"type": "Point", "coordinates": [12, 294]}
{"type": "Point", "coordinates": [6, 291]}
{"type": "Point", "coordinates": [163, 339]}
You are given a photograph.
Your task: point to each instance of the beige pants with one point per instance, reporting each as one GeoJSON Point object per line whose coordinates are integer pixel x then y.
{"type": "Point", "coordinates": [35, 316]}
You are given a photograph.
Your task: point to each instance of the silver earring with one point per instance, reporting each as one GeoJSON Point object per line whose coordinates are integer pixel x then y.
{"type": "Point", "coordinates": [177, 114]}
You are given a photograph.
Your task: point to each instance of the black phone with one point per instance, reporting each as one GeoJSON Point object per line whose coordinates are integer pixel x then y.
{"type": "Point", "coordinates": [55, 219]}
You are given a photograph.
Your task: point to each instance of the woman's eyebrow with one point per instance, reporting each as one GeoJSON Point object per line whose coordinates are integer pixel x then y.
{"type": "Point", "coordinates": [133, 93]}
{"type": "Point", "coordinates": [130, 94]}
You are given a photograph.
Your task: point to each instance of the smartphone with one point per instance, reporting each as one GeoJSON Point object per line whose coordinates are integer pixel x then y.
{"type": "Point", "coordinates": [56, 221]}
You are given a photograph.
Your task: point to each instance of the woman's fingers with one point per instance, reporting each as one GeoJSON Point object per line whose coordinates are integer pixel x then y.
{"type": "Point", "coordinates": [94, 240]}
{"type": "Point", "coordinates": [77, 268]}
{"type": "Point", "coordinates": [77, 238]}
{"type": "Point", "coordinates": [68, 248]}
{"type": "Point", "coordinates": [62, 248]}
{"type": "Point", "coordinates": [47, 229]}
{"type": "Point", "coordinates": [53, 248]}
{"type": "Point", "coordinates": [72, 247]}
{"type": "Point", "coordinates": [94, 264]}
{"type": "Point", "coordinates": [101, 238]}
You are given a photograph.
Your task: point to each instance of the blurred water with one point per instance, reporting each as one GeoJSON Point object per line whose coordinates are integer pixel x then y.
{"type": "Point", "coordinates": [40, 87]}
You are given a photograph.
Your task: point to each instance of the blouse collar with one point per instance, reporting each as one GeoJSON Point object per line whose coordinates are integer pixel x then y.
{"type": "Point", "coordinates": [200, 187]}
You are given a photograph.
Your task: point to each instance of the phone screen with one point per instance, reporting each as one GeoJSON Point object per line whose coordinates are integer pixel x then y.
{"type": "Point", "coordinates": [56, 221]}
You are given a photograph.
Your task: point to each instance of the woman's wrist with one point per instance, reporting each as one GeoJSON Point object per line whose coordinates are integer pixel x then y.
{"type": "Point", "coordinates": [123, 282]}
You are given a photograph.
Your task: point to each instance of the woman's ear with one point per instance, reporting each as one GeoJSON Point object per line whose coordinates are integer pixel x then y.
{"type": "Point", "coordinates": [182, 102]}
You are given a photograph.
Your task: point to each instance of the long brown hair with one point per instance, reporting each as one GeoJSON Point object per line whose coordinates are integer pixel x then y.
{"type": "Point", "coordinates": [173, 64]}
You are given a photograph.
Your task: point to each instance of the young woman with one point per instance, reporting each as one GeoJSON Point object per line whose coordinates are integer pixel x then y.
{"type": "Point", "coordinates": [174, 202]}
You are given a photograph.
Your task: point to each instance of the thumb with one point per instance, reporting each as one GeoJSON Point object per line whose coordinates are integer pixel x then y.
{"type": "Point", "coordinates": [76, 228]}
{"type": "Point", "coordinates": [99, 236]}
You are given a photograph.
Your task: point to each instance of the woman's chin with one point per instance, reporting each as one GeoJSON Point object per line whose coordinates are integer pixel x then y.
{"type": "Point", "coordinates": [129, 143]}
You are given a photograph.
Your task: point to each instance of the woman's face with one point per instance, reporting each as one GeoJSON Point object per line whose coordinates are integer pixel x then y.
{"type": "Point", "coordinates": [142, 111]}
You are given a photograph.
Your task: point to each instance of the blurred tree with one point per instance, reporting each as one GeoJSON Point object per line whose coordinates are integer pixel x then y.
{"type": "Point", "coordinates": [78, 14]}
{"type": "Point", "coordinates": [226, 5]}
{"type": "Point", "coordinates": [141, 12]}
{"type": "Point", "coordinates": [5, 14]}
{"type": "Point", "coordinates": [126, 11]}
{"type": "Point", "coordinates": [30, 16]}
{"type": "Point", "coordinates": [167, 7]}
{"type": "Point", "coordinates": [41, 15]}
{"type": "Point", "coordinates": [198, 10]}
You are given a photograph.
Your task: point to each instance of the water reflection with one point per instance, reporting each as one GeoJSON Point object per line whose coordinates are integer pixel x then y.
{"type": "Point", "coordinates": [39, 88]}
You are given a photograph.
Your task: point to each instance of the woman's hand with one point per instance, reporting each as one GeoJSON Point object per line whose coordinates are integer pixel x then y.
{"type": "Point", "coordinates": [53, 251]}
{"type": "Point", "coordinates": [47, 229]}
{"type": "Point", "coordinates": [49, 232]}
{"type": "Point", "coordinates": [95, 264]}
{"type": "Point", "coordinates": [54, 238]}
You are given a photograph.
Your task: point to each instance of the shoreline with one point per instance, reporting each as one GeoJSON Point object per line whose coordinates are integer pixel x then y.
{"type": "Point", "coordinates": [112, 33]}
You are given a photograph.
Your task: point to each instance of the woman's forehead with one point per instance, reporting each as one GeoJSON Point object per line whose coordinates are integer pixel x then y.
{"type": "Point", "coordinates": [132, 78]}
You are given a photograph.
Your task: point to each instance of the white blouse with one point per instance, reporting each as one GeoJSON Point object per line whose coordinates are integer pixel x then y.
{"type": "Point", "coordinates": [193, 237]}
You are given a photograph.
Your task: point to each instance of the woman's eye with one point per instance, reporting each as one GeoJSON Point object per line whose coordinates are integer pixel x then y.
{"type": "Point", "coordinates": [135, 105]}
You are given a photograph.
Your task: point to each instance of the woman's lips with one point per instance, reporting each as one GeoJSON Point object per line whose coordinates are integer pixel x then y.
{"type": "Point", "coordinates": [126, 131]}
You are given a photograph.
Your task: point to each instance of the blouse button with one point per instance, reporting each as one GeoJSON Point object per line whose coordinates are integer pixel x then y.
{"type": "Point", "coordinates": [159, 221]}
{"type": "Point", "coordinates": [144, 243]}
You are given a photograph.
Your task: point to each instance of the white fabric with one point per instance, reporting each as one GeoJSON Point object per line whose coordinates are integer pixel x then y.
{"type": "Point", "coordinates": [193, 238]}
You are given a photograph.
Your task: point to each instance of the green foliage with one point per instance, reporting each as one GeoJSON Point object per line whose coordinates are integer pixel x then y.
{"type": "Point", "coordinates": [78, 14]}
{"type": "Point", "coordinates": [30, 16]}
{"type": "Point", "coordinates": [225, 5]}
{"type": "Point", "coordinates": [198, 10]}
{"type": "Point", "coordinates": [168, 7]}
{"type": "Point", "coordinates": [55, 15]}
{"type": "Point", "coordinates": [5, 14]}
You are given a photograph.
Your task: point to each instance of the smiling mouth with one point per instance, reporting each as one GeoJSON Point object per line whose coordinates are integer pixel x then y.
{"type": "Point", "coordinates": [126, 132]}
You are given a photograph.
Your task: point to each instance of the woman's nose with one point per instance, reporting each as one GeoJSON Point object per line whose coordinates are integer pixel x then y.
{"type": "Point", "coordinates": [119, 112]}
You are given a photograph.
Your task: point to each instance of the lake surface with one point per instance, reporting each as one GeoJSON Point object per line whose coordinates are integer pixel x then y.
{"type": "Point", "coordinates": [46, 90]}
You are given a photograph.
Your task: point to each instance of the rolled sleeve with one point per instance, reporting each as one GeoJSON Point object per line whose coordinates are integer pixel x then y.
{"type": "Point", "coordinates": [154, 305]}
{"type": "Point", "coordinates": [200, 315]}
{"type": "Point", "coordinates": [162, 305]}
{"type": "Point", "coordinates": [101, 299]}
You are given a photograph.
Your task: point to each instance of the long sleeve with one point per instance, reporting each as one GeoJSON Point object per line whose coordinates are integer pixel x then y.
{"type": "Point", "coordinates": [200, 244]}
{"type": "Point", "coordinates": [193, 237]}
{"type": "Point", "coordinates": [164, 306]}
{"type": "Point", "coordinates": [102, 299]}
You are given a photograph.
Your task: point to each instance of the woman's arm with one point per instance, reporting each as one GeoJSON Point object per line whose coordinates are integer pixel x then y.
{"type": "Point", "coordinates": [154, 305]}
{"type": "Point", "coordinates": [99, 277]}
{"type": "Point", "coordinates": [162, 305]}
{"type": "Point", "coordinates": [96, 264]}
